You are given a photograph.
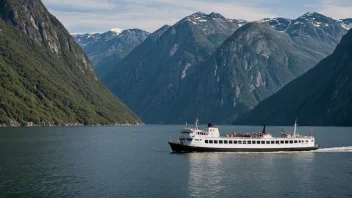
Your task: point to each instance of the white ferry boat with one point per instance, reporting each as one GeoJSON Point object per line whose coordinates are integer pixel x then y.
{"type": "Point", "coordinates": [196, 140]}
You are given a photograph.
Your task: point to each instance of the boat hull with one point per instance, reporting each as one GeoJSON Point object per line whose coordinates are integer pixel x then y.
{"type": "Point", "coordinates": [179, 148]}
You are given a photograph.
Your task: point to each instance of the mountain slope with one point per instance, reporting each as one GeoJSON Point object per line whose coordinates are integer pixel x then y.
{"type": "Point", "coordinates": [112, 43]}
{"type": "Point", "coordinates": [45, 76]}
{"type": "Point", "coordinates": [252, 64]}
{"type": "Point", "coordinates": [162, 66]}
{"type": "Point", "coordinates": [322, 96]}
{"type": "Point", "coordinates": [109, 64]}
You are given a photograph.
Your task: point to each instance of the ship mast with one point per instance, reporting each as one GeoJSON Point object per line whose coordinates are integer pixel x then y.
{"type": "Point", "coordinates": [197, 122]}
{"type": "Point", "coordinates": [295, 128]}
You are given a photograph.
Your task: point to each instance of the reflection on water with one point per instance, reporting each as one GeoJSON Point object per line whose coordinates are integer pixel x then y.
{"type": "Point", "coordinates": [242, 173]}
{"type": "Point", "coordinates": [205, 174]}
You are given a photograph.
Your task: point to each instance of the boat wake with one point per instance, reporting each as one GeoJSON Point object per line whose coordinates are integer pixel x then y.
{"type": "Point", "coordinates": [336, 149]}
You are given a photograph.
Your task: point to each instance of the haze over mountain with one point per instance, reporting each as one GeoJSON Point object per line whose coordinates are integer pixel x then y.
{"type": "Point", "coordinates": [322, 96]}
{"type": "Point", "coordinates": [46, 77]}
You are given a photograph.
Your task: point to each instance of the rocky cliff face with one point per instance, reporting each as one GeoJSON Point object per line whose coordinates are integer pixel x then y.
{"type": "Point", "coordinates": [45, 76]}
{"type": "Point", "coordinates": [322, 96]}
{"type": "Point", "coordinates": [33, 19]}
{"type": "Point", "coordinates": [112, 43]}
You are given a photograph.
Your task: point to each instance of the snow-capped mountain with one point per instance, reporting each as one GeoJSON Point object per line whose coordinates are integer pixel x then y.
{"type": "Point", "coordinates": [314, 18]}
{"type": "Point", "coordinates": [346, 23]}
{"type": "Point", "coordinates": [117, 42]}
{"type": "Point", "coordinates": [315, 32]}
{"type": "Point", "coordinates": [280, 24]}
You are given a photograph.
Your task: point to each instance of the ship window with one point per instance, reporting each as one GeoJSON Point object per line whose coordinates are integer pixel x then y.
{"type": "Point", "coordinates": [286, 141]}
{"type": "Point", "coordinates": [306, 140]}
{"type": "Point", "coordinates": [225, 141]}
{"type": "Point", "coordinates": [235, 142]}
{"type": "Point", "coordinates": [277, 142]}
{"type": "Point", "coordinates": [258, 142]}
{"type": "Point", "coordinates": [267, 142]}
{"type": "Point", "coordinates": [215, 141]}
{"type": "Point", "coordinates": [206, 141]}
{"type": "Point", "coordinates": [272, 142]}
{"type": "Point", "coordinates": [220, 141]}
{"type": "Point", "coordinates": [210, 141]}
{"type": "Point", "coordinates": [249, 142]}
{"type": "Point", "coordinates": [312, 140]}
{"type": "Point", "coordinates": [230, 141]}
{"type": "Point", "coordinates": [239, 142]}
{"type": "Point", "coordinates": [263, 142]}
{"type": "Point", "coordinates": [189, 139]}
{"type": "Point", "coordinates": [295, 141]}
{"type": "Point", "coordinates": [244, 142]}
{"type": "Point", "coordinates": [281, 142]}
{"type": "Point", "coordinates": [253, 142]}
{"type": "Point", "coordinates": [291, 141]}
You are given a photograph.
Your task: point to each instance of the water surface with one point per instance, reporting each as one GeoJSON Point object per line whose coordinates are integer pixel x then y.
{"type": "Point", "coordinates": [137, 162]}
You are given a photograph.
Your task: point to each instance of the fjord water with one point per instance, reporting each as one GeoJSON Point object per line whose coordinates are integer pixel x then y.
{"type": "Point", "coordinates": [137, 162]}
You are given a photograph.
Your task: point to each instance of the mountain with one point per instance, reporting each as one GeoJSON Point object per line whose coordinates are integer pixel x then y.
{"type": "Point", "coordinates": [116, 42]}
{"type": "Point", "coordinates": [109, 64]}
{"type": "Point", "coordinates": [317, 33]}
{"type": "Point", "coordinates": [278, 23]}
{"type": "Point", "coordinates": [187, 72]}
{"type": "Point", "coordinates": [322, 96]}
{"type": "Point", "coordinates": [346, 23]}
{"type": "Point", "coordinates": [252, 64]}
{"type": "Point", "coordinates": [149, 74]}
{"type": "Point", "coordinates": [46, 78]}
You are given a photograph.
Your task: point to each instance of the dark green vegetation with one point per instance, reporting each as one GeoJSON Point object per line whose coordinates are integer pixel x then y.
{"type": "Point", "coordinates": [322, 96]}
{"type": "Point", "coordinates": [45, 77]}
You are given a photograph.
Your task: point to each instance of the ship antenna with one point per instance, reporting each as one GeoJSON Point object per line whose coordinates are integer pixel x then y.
{"type": "Point", "coordinates": [197, 122]}
{"type": "Point", "coordinates": [295, 128]}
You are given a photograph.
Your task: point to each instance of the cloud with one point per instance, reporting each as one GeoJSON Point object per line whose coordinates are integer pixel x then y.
{"type": "Point", "coordinates": [80, 4]}
{"type": "Point", "coordinates": [337, 9]}
{"type": "Point", "coordinates": [337, 12]}
{"type": "Point", "coordinates": [149, 15]}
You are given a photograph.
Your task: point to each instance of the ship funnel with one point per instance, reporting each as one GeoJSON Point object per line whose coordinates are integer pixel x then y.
{"type": "Point", "coordinates": [264, 129]}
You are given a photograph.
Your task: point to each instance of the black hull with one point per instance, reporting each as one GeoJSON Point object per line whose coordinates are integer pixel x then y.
{"type": "Point", "coordinates": [179, 148]}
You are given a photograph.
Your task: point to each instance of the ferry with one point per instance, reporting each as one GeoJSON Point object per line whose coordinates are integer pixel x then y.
{"type": "Point", "coordinates": [196, 140]}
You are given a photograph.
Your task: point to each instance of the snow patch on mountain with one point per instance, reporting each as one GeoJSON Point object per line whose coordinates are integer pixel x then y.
{"type": "Point", "coordinates": [173, 49]}
{"type": "Point", "coordinates": [184, 72]}
{"type": "Point", "coordinates": [117, 30]}
{"type": "Point", "coordinates": [345, 23]}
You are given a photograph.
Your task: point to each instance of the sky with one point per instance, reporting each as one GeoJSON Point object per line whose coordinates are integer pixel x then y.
{"type": "Point", "coordinates": [88, 16]}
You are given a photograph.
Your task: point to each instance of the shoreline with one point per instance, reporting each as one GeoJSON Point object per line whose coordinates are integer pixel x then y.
{"type": "Point", "coordinates": [30, 124]}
